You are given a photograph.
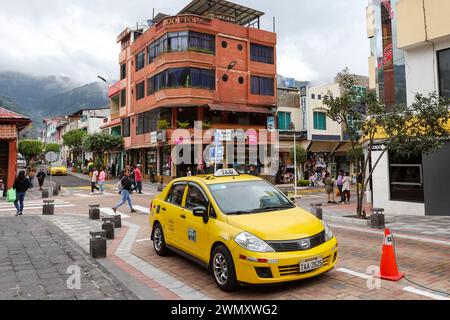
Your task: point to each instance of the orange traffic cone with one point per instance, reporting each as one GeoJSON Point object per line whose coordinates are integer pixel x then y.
{"type": "Point", "coordinates": [388, 265]}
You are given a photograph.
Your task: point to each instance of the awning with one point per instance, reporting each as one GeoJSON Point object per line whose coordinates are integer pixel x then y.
{"type": "Point", "coordinates": [244, 109]}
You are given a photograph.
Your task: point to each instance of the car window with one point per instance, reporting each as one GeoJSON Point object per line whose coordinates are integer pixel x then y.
{"type": "Point", "coordinates": [195, 198]}
{"type": "Point", "coordinates": [176, 194]}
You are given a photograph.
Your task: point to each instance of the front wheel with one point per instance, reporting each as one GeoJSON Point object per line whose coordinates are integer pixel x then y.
{"type": "Point", "coordinates": [222, 267]}
{"type": "Point", "coordinates": [159, 242]}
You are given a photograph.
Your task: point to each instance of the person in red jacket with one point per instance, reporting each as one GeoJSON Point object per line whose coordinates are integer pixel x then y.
{"type": "Point", "coordinates": [138, 178]}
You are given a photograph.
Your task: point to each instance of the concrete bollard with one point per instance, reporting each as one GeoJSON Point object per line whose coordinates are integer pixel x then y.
{"type": "Point", "coordinates": [56, 192]}
{"type": "Point", "coordinates": [45, 194]}
{"type": "Point", "coordinates": [108, 226]}
{"type": "Point", "coordinates": [97, 245]}
{"type": "Point", "coordinates": [94, 212]}
{"type": "Point", "coordinates": [316, 209]}
{"type": "Point", "coordinates": [48, 209]}
{"type": "Point", "coordinates": [377, 219]}
{"type": "Point", "coordinates": [118, 221]}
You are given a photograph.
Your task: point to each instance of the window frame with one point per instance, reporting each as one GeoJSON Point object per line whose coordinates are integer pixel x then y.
{"type": "Point", "coordinates": [195, 185]}
{"type": "Point", "coordinates": [316, 122]}
{"type": "Point", "coordinates": [169, 194]}
{"type": "Point", "coordinates": [138, 97]}
{"type": "Point", "coordinates": [440, 84]}
{"type": "Point", "coordinates": [258, 89]}
{"type": "Point", "coordinates": [391, 164]}
{"type": "Point", "coordinates": [140, 64]}
{"type": "Point", "coordinates": [126, 127]}
{"type": "Point", "coordinates": [260, 53]}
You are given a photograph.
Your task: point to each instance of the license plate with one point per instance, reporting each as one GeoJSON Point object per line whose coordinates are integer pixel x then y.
{"type": "Point", "coordinates": [311, 264]}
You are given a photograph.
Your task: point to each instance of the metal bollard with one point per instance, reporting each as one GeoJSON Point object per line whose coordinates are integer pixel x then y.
{"type": "Point", "coordinates": [118, 221]}
{"type": "Point", "coordinates": [94, 212]}
{"type": "Point", "coordinates": [45, 194]}
{"type": "Point", "coordinates": [316, 208]}
{"type": "Point", "coordinates": [97, 245]}
{"type": "Point", "coordinates": [55, 192]}
{"type": "Point", "coordinates": [108, 226]}
{"type": "Point", "coordinates": [48, 209]}
{"type": "Point", "coordinates": [377, 219]}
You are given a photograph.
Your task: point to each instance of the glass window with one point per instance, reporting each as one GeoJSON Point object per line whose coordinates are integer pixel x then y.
{"type": "Point", "coordinates": [444, 73]}
{"type": "Point", "coordinates": [260, 53]}
{"type": "Point", "coordinates": [406, 179]}
{"type": "Point", "coordinates": [140, 90]}
{"type": "Point", "coordinates": [195, 198]}
{"type": "Point", "coordinates": [175, 195]}
{"type": "Point", "coordinates": [262, 86]}
{"type": "Point", "coordinates": [313, 96]}
{"type": "Point", "coordinates": [126, 127]}
{"type": "Point", "coordinates": [123, 98]}
{"type": "Point", "coordinates": [284, 121]}
{"type": "Point", "coordinates": [320, 121]}
{"type": "Point", "coordinates": [182, 78]}
{"type": "Point", "coordinates": [140, 124]}
{"type": "Point", "coordinates": [140, 60]}
{"type": "Point", "coordinates": [123, 71]}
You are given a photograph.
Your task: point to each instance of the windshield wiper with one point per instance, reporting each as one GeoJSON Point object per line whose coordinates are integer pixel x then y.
{"type": "Point", "coordinates": [259, 210]}
{"type": "Point", "coordinates": [240, 212]}
{"type": "Point", "coordinates": [276, 208]}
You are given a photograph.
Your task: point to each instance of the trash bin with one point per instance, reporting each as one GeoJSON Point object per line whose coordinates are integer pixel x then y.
{"type": "Point", "coordinates": [97, 245]}
{"type": "Point", "coordinates": [377, 219]}
{"type": "Point", "coordinates": [48, 208]}
{"type": "Point", "coordinates": [94, 212]}
{"type": "Point", "coordinates": [108, 226]}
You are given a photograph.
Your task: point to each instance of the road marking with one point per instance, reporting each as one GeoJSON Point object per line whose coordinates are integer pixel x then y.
{"type": "Point", "coordinates": [354, 273]}
{"type": "Point", "coordinates": [83, 195]}
{"type": "Point", "coordinates": [142, 209]}
{"type": "Point", "coordinates": [425, 293]}
{"type": "Point", "coordinates": [143, 240]}
{"type": "Point", "coordinates": [32, 208]}
{"type": "Point", "coordinates": [110, 212]}
{"type": "Point", "coordinates": [30, 203]}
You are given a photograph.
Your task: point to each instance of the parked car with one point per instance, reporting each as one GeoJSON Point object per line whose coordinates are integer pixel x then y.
{"type": "Point", "coordinates": [21, 161]}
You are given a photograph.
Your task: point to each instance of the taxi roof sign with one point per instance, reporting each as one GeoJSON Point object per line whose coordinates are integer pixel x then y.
{"type": "Point", "coordinates": [226, 173]}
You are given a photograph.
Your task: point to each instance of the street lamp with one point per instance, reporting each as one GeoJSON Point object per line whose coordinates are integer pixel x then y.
{"type": "Point", "coordinates": [292, 128]}
{"type": "Point", "coordinates": [112, 85]}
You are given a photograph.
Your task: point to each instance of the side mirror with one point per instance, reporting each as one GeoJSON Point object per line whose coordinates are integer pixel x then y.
{"type": "Point", "coordinates": [292, 199]}
{"type": "Point", "coordinates": [200, 212]}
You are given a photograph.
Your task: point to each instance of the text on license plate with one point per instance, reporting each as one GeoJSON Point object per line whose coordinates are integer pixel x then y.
{"type": "Point", "coordinates": [311, 264]}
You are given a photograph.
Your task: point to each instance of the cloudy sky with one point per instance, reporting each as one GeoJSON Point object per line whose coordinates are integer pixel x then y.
{"type": "Point", "coordinates": [316, 38]}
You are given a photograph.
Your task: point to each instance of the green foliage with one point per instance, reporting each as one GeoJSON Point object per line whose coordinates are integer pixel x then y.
{"type": "Point", "coordinates": [99, 143]}
{"type": "Point", "coordinates": [303, 183]}
{"type": "Point", "coordinates": [30, 148]}
{"type": "Point", "coordinates": [52, 147]}
{"type": "Point", "coordinates": [301, 155]}
{"type": "Point", "coordinates": [74, 140]}
{"type": "Point", "coordinates": [184, 124]}
{"type": "Point", "coordinates": [206, 125]}
{"type": "Point", "coordinates": [163, 124]}
{"type": "Point", "coordinates": [357, 154]}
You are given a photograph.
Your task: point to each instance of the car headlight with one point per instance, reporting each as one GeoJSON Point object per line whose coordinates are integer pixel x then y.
{"type": "Point", "coordinates": [252, 243]}
{"type": "Point", "coordinates": [328, 232]}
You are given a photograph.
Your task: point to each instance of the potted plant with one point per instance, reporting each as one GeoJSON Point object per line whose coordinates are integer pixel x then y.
{"type": "Point", "coordinates": [184, 124]}
{"type": "Point", "coordinates": [206, 125]}
{"type": "Point", "coordinates": [163, 124]}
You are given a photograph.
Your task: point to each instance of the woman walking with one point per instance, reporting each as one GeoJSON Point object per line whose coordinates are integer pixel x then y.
{"type": "Point", "coordinates": [329, 188]}
{"type": "Point", "coordinates": [101, 180]}
{"type": "Point", "coordinates": [125, 192]}
{"type": "Point", "coordinates": [94, 180]}
{"type": "Point", "coordinates": [21, 185]}
{"type": "Point", "coordinates": [346, 187]}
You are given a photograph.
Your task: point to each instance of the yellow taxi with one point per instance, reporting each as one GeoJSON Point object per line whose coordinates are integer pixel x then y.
{"type": "Point", "coordinates": [242, 228]}
{"type": "Point", "coordinates": [57, 170]}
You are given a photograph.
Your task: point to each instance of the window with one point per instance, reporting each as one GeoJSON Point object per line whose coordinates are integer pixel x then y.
{"type": "Point", "coordinates": [224, 44]}
{"type": "Point", "coordinates": [284, 121]}
{"type": "Point", "coordinates": [406, 179]}
{"type": "Point", "coordinates": [181, 41]}
{"type": "Point", "coordinates": [182, 78]}
{"type": "Point", "coordinates": [320, 121]}
{"type": "Point", "coordinates": [195, 198]}
{"type": "Point", "coordinates": [240, 47]}
{"type": "Point", "coordinates": [241, 80]}
{"type": "Point", "coordinates": [225, 78]}
{"type": "Point", "coordinates": [123, 98]}
{"type": "Point", "coordinates": [140, 90]}
{"type": "Point", "coordinates": [444, 73]}
{"type": "Point", "coordinates": [263, 54]}
{"type": "Point", "coordinates": [140, 124]}
{"type": "Point", "coordinates": [126, 127]}
{"type": "Point", "coordinates": [123, 71]}
{"type": "Point", "coordinates": [176, 194]}
{"type": "Point", "coordinates": [313, 96]}
{"type": "Point", "coordinates": [140, 60]}
{"type": "Point", "coordinates": [262, 86]}
{"type": "Point", "coordinates": [319, 97]}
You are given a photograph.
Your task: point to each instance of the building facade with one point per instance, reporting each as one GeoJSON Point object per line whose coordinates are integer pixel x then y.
{"type": "Point", "coordinates": [421, 32]}
{"type": "Point", "coordinates": [208, 63]}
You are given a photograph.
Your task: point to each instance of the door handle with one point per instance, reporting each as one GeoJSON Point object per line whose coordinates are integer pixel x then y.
{"type": "Point", "coordinates": [183, 216]}
{"type": "Point", "coordinates": [163, 208]}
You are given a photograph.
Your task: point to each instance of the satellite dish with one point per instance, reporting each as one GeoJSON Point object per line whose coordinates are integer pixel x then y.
{"type": "Point", "coordinates": [51, 156]}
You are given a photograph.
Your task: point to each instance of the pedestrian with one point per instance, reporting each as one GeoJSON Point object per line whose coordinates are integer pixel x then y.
{"type": "Point", "coordinates": [340, 184]}
{"type": "Point", "coordinates": [31, 175]}
{"type": "Point", "coordinates": [113, 169]}
{"type": "Point", "coordinates": [132, 178]}
{"type": "Point", "coordinates": [189, 172]}
{"type": "Point", "coordinates": [101, 180]}
{"type": "Point", "coordinates": [312, 181]}
{"type": "Point", "coordinates": [346, 187]}
{"type": "Point", "coordinates": [21, 185]}
{"type": "Point", "coordinates": [329, 188]}
{"type": "Point", "coordinates": [125, 192]}
{"type": "Point", "coordinates": [41, 178]}
{"type": "Point", "coordinates": [138, 179]}
{"type": "Point", "coordinates": [94, 180]}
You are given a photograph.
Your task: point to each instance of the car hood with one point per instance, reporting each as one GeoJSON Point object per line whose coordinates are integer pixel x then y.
{"type": "Point", "coordinates": [288, 224]}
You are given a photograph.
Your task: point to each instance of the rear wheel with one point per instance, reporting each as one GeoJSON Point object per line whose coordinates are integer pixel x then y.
{"type": "Point", "coordinates": [222, 267]}
{"type": "Point", "coordinates": [159, 242]}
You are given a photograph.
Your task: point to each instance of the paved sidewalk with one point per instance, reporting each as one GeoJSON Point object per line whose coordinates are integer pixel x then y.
{"type": "Point", "coordinates": [35, 257]}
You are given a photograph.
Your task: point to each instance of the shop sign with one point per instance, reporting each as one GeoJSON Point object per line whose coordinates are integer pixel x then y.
{"type": "Point", "coordinates": [271, 123]}
{"type": "Point", "coordinates": [388, 54]}
{"type": "Point", "coordinates": [378, 147]}
{"type": "Point", "coordinates": [221, 16]}
{"type": "Point", "coordinates": [183, 19]}
{"type": "Point", "coordinates": [154, 137]}
{"type": "Point", "coordinates": [162, 136]}
{"type": "Point", "coordinates": [252, 138]}
{"type": "Point", "coordinates": [227, 135]}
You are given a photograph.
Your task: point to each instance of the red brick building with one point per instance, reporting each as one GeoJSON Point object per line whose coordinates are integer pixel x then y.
{"type": "Point", "coordinates": [209, 63]}
{"type": "Point", "coordinates": [10, 125]}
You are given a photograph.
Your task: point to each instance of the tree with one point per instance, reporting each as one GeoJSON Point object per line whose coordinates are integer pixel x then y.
{"type": "Point", "coordinates": [301, 154]}
{"type": "Point", "coordinates": [52, 147]}
{"type": "Point", "coordinates": [99, 143]}
{"type": "Point", "coordinates": [74, 140]}
{"type": "Point", "coordinates": [30, 148]}
{"type": "Point", "coordinates": [401, 129]}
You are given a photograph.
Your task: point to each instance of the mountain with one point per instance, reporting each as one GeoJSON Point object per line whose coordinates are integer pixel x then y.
{"type": "Point", "coordinates": [44, 97]}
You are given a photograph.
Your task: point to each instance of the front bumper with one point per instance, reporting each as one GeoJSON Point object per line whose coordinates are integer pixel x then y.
{"type": "Point", "coordinates": [284, 266]}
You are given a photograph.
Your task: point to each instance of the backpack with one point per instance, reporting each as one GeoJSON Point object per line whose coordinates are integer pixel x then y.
{"type": "Point", "coordinates": [119, 184]}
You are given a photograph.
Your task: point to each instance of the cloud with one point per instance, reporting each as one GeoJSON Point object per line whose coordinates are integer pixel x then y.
{"type": "Point", "coordinates": [316, 39]}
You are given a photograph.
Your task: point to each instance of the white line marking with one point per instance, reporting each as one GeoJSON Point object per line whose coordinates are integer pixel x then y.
{"type": "Point", "coordinates": [142, 209]}
{"type": "Point", "coordinates": [83, 195]}
{"type": "Point", "coordinates": [31, 203]}
{"type": "Point", "coordinates": [110, 212]}
{"type": "Point", "coordinates": [143, 240]}
{"type": "Point", "coordinates": [32, 208]}
{"type": "Point", "coordinates": [425, 293]}
{"type": "Point", "coordinates": [354, 273]}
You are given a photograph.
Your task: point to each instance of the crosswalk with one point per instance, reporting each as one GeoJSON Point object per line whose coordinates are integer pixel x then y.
{"type": "Point", "coordinates": [110, 212]}
{"type": "Point", "coordinates": [33, 205]}
{"type": "Point", "coordinates": [107, 194]}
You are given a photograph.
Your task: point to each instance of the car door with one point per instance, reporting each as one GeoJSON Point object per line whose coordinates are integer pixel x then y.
{"type": "Point", "coordinates": [172, 208]}
{"type": "Point", "coordinates": [195, 230]}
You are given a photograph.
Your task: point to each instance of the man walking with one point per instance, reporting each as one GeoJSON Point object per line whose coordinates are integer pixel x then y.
{"type": "Point", "coordinates": [94, 180]}
{"type": "Point", "coordinates": [340, 185]}
{"type": "Point", "coordinates": [138, 178]}
{"type": "Point", "coordinates": [21, 185]}
{"type": "Point", "coordinates": [125, 192]}
{"type": "Point", "coordinates": [41, 178]}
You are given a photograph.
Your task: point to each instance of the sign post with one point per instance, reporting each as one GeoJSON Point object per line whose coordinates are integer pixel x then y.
{"type": "Point", "coordinates": [51, 157]}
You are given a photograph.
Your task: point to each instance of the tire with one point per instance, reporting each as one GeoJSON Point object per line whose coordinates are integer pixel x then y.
{"type": "Point", "coordinates": [223, 270]}
{"type": "Point", "coordinates": [159, 242]}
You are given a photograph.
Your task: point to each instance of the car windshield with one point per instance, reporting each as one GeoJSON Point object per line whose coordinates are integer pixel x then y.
{"type": "Point", "coordinates": [249, 197]}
